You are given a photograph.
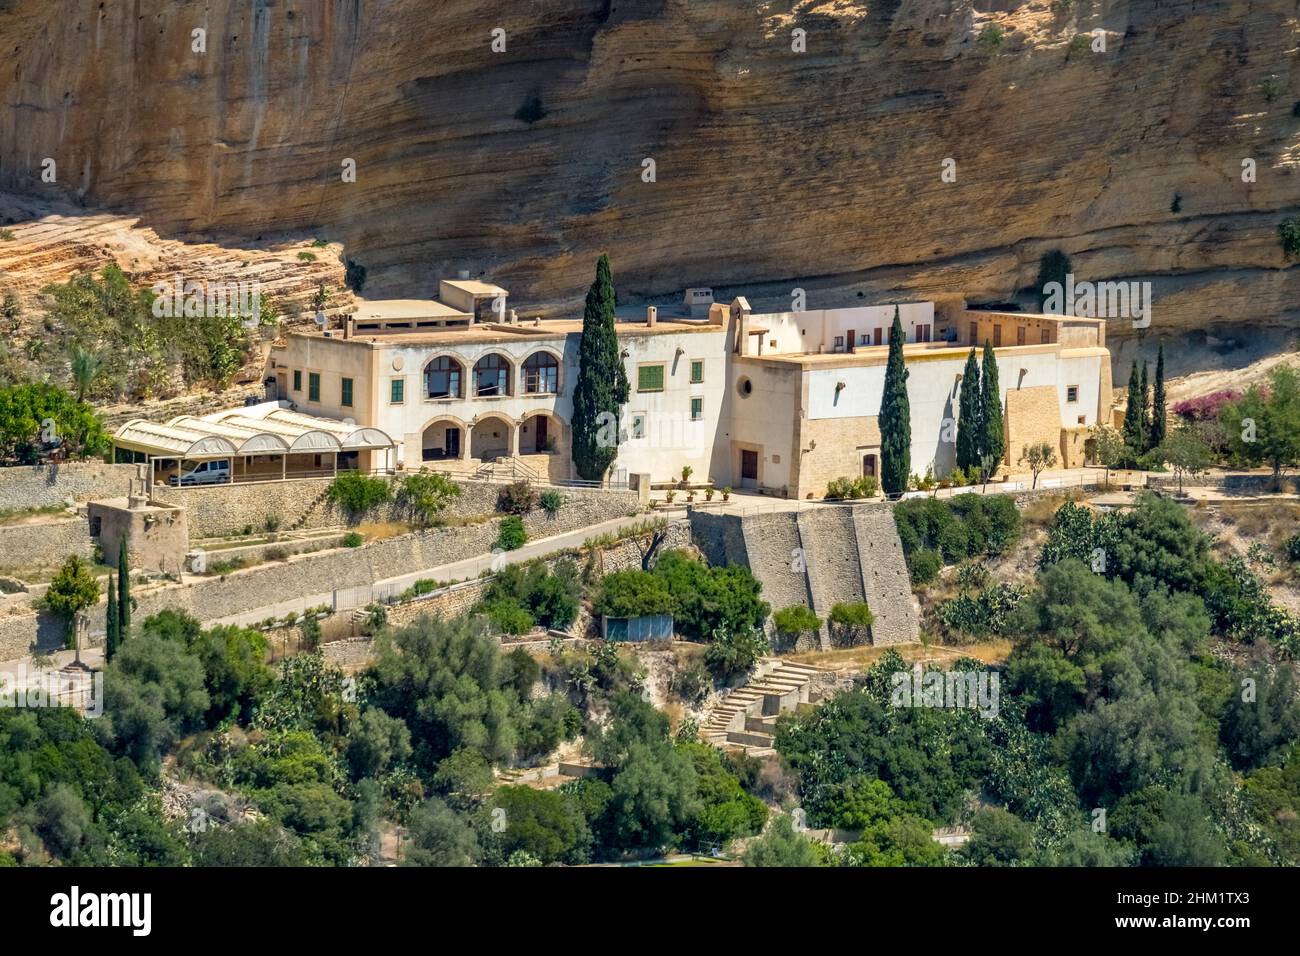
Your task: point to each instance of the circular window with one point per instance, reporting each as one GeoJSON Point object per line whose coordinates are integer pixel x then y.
{"type": "Point", "coordinates": [745, 387]}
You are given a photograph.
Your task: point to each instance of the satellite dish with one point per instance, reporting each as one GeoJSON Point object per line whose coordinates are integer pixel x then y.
{"type": "Point", "coordinates": [320, 319]}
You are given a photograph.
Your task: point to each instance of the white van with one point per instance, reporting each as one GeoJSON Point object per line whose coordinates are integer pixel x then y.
{"type": "Point", "coordinates": [204, 473]}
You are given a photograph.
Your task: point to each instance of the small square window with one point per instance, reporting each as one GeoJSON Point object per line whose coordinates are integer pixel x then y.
{"type": "Point", "coordinates": [864, 339]}
{"type": "Point", "coordinates": [397, 391]}
{"type": "Point", "coordinates": [638, 426]}
{"type": "Point", "coordinates": [1072, 393]}
{"type": "Point", "coordinates": [650, 378]}
{"type": "Point", "coordinates": [697, 409]}
{"type": "Point", "coordinates": [839, 341]}
{"type": "Point", "coordinates": [697, 371]}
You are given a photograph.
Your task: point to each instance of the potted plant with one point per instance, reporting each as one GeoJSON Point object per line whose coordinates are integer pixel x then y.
{"type": "Point", "coordinates": [670, 496]}
{"type": "Point", "coordinates": [726, 493]}
{"type": "Point", "coordinates": [690, 496]}
{"type": "Point", "coordinates": [687, 471]}
{"type": "Point", "coordinates": [708, 493]}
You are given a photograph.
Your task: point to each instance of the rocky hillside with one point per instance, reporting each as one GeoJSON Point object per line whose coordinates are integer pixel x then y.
{"type": "Point", "coordinates": [773, 168]}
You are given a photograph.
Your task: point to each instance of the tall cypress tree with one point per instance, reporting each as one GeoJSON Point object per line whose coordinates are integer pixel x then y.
{"type": "Point", "coordinates": [969, 425]}
{"type": "Point", "coordinates": [1146, 408]}
{"type": "Point", "coordinates": [993, 442]}
{"type": "Point", "coordinates": [1156, 437]}
{"type": "Point", "coordinates": [1133, 412]}
{"type": "Point", "coordinates": [602, 382]}
{"type": "Point", "coordinates": [895, 418]}
{"type": "Point", "coordinates": [123, 594]}
{"type": "Point", "coordinates": [110, 620]}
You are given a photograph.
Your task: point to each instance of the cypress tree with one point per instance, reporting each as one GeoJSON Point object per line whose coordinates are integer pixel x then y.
{"type": "Point", "coordinates": [1146, 408]}
{"type": "Point", "coordinates": [1133, 413]}
{"type": "Point", "coordinates": [123, 594]}
{"type": "Point", "coordinates": [968, 416]}
{"type": "Point", "coordinates": [895, 418]}
{"type": "Point", "coordinates": [602, 386]}
{"type": "Point", "coordinates": [110, 620]}
{"type": "Point", "coordinates": [993, 443]}
{"type": "Point", "coordinates": [1156, 438]}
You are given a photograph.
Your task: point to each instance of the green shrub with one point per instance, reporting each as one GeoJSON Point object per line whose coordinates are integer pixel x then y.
{"type": "Point", "coordinates": [986, 612]}
{"type": "Point", "coordinates": [1293, 548]}
{"type": "Point", "coordinates": [307, 256]}
{"type": "Point", "coordinates": [356, 494]}
{"type": "Point", "coordinates": [517, 498]}
{"type": "Point", "coordinates": [353, 539]}
{"type": "Point", "coordinates": [508, 615]}
{"type": "Point", "coordinates": [551, 501]}
{"type": "Point", "coordinates": [796, 620]}
{"type": "Point", "coordinates": [1289, 233]}
{"type": "Point", "coordinates": [310, 633]}
{"type": "Point", "coordinates": [735, 652]}
{"type": "Point", "coordinates": [848, 488]}
{"type": "Point", "coordinates": [991, 37]}
{"type": "Point", "coordinates": [692, 682]}
{"type": "Point", "coordinates": [633, 593]}
{"type": "Point", "coordinates": [426, 494]}
{"type": "Point", "coordinates": [512, 535]}
{"type": "Point", "coordinates": [851, 614]}
{"type": "Point", "coordinates": [354, 275]}
{"type": "Point", "coordinates": [550, 597]}
{"type": "Point", "coordinates": [924, 565]}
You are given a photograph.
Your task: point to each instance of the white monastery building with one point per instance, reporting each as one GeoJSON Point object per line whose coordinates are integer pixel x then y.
{"type": "Point", "coordinates": [782, 401]}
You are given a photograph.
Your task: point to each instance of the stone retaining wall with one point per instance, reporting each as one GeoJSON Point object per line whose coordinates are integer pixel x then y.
{"type": "Point", "coordinates": [459, 598]}
{"type": "Point", "coordinates": [44, 544]}
{"type": "Point", "coordinates": [40, 486]}
{"type": "Point", "coordinates": [301, 504]}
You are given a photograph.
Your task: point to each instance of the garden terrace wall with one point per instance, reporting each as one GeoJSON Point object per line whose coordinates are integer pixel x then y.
{"type": "Point", "coordinates": [319, 573]}
{"type": "Point", "coordinates": [457, 599]}
{"type": "Point", "coordinates": [44, 544]}
{"type": "Point", "coordinates": [41, 486]}
{"type": "Point", "coordinates": [303, 504]}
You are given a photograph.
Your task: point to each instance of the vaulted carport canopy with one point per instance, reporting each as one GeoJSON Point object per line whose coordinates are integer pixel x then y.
{"type": "Point", "coordinates": [243, 432]}
{"type": "Point", "coordinates": [172, 441]}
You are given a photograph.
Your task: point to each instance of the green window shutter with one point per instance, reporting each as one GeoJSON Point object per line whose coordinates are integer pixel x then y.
{"type": "Point", "coordinates": [297, 380]}
{"type": "Point", "coordinates": [397, 394]}
{"type": "Point", "coordinates": [313, 386]}
{"type": "Point", "coordinates": [347, 392]}
{"type": "Point", "coordinates": [650, 378]}
{"type": "Point", "coordinates": [697, 409]}
{"type": "Point", "coordinates": [697, 372]}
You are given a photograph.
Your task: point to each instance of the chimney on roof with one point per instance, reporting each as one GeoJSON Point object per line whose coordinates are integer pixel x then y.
{"type": "Point", "coordinates": [651, 316]}
{"type": "Point", "coordinates": [463, 274]}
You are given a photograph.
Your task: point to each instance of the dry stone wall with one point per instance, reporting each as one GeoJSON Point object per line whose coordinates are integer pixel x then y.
{"type": "Point", "coordinates": [42, 486]}
{"type": "Point", "coordinates": [303, 504]}
{"type": "Point", "coordinates": [43, 544]}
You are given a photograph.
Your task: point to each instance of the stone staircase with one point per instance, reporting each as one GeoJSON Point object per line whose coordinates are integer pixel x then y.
{"type": "Point", "coordinates": [506, 468]}
{"type": "Point", "coordinates": [745, 719]}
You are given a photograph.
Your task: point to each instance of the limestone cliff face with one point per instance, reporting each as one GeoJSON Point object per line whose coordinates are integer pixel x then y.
{"type": "Point", "coordinates": [774, 168]}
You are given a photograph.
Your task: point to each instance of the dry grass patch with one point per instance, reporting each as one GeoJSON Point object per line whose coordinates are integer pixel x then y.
{"type": "Point", "coordinates": [374, 531]}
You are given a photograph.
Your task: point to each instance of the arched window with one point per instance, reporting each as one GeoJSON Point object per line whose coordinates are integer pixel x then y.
{"type": "Point", "coordinates": [491, 376]}
{"type": "Point", "coordinates": [541, 374]}
{"type": "Point", "coordinates": [442, 378]}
